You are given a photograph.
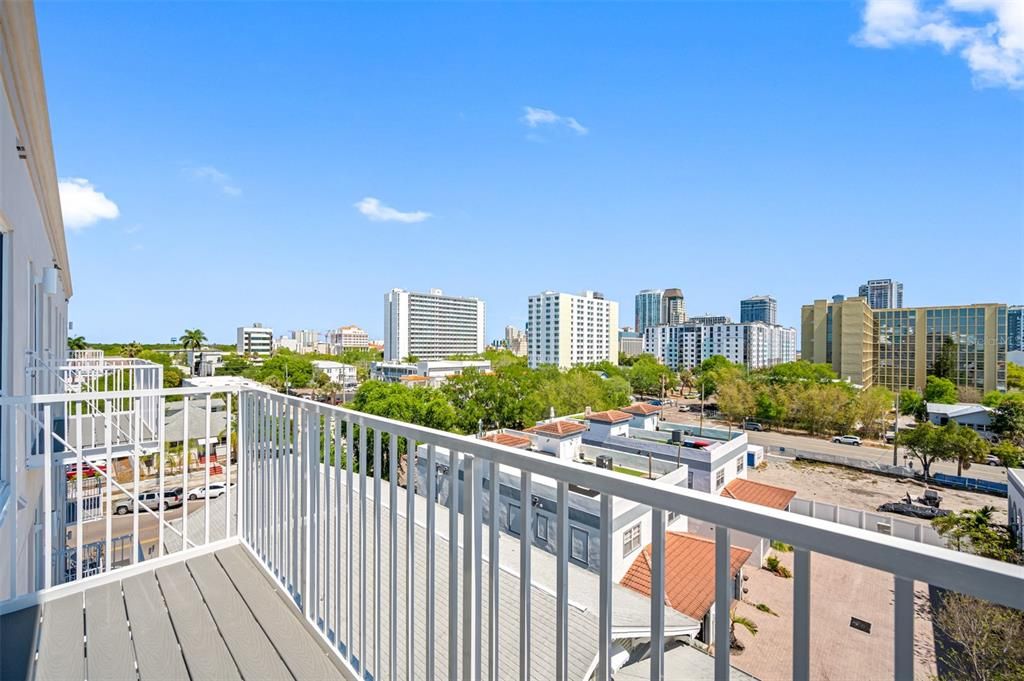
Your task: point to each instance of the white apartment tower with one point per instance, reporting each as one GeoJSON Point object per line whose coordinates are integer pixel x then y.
{"type": "Point", "coordinates": [431, 326]}
{"type": "Point", "coordinates": [755, 345]}
{"type": "Point", "coordinates": [569, 330]}
{"type": "Point", "coordinates": [254, 340]}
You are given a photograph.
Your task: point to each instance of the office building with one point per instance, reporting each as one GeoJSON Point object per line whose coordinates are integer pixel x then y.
{"type": "Point", "coordinates": [348, 338]}
{"type": "Point", "coordinates": [647, 309]}
{"type": "Point", "coordinates": [1015, 328]}
{"type": "Point", "coordinates": [631, 343]}
{"type": "Point", "coordinates": [431, 325]}
{"type": "Point", "coordinates": [755, 345]}
{"type": "Point", "coordinates": [569, 330]}
{"type": "Point", "coordinates": [898, 348]}
{"type": "Point", "coordinates": [673, 307]}
{"type": "Point", "coordinates": [758, 309]}
{"type": "Point", "coordinates": [882, 293]}
{"type": "Point", "coordinates": [254, 340]}
{"type": "Point", "coordinates": [515, 341]}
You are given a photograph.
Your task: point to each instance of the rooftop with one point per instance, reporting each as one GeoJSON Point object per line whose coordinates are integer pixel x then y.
{"type": "Point", "coordinates": [642, 409]}
{"type": "Point", "coordinates": [508, 440]}
{"type": "Point", "coordinates": [759, 493]}
{"type": "Point", "coordinates": [610, 416]}
{"type": "Point", "coordinates": [560, 428]}
{"type": "Point", "coordinates": [689, 572]}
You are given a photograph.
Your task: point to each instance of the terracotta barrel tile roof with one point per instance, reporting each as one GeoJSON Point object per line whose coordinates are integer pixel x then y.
{"type": "Point", "coordinates": [642, 409]}
{"type": "Point", "coordinates": [689, 572]}
{"type": "Point", "coordinates": [610, 416]}
{"type": "Point", "coordinates": [508, 440]}
{"type": "Point", "coordinates": [759, 493]}
{"type": "Point", "coordinates": [558, 428]}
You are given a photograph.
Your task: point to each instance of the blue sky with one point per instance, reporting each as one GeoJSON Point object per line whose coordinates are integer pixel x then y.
{"type": "Point", "coordinates": [290, 164]}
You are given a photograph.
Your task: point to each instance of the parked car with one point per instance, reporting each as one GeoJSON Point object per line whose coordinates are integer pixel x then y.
{"type": "Point", "coordinates": [752, 425]}
{"type": "Point", "coordinates": [151, 500]}
{"type": "Point", "coordinates": [215, 490]}
{"type": "Point", "coordinates": [847, 440]}
{"type": "Point", "coordinates": [993, 460]}
{"type": "Point", "coordinates": [684, 407]}
{"type": "Point", "coordinates": [88, 471]}
{"type": "Point", "coordinates": [890, 436]}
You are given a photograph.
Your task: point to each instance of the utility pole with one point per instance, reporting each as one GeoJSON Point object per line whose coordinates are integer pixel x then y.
{"type": "Point", "coordinates": [896, 432]}
{"type": "Point", "coordinates": [702, 407]}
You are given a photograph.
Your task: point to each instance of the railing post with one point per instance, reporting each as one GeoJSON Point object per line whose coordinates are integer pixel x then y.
{"type": "Point", "coordinates": [306, 516]}
{"type": "Point", "coordinates": [431, 493]}
{"type": "Point", "coordinates": [472, 489]}
{"type": "Point", "coordinates": [604, 633]}
{"type": "Point", "coordinates": [723, 602]}
{"type": "Point", "coordinates": [453, 563]}
{"type": "Point", "coordinates": [904, 628]}
{"type": "Point", "coordinates": [801, 614]}
{"type": "Point", "coordinates": [562, 585]}
{"type": "Point", "coordinates": [658, 595]}
{"type": "Point", "coordinates": [48, 490]}
{"type": "Point", "coordinates": [525, 579]}
{"type": "Point", "coordinates": [495, 570]}
{"type": "Point", "coordinates": [206, 473]}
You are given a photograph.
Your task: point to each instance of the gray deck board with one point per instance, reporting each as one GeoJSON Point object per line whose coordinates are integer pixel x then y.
{"type": "Point", "coordinates": [156, 647]}
{"type": "Point", "coordinates": [62, 630]}
{"type": "Point", "coordinates": [19, 632]}
{"type": "Point", "coordinates": [206, 654]}
{"type": "Point", "coordinates": [253, 652]}
{"type": "Point", "coordinates": [109, 646]}
{"type": "Point", "coordinates": [300, 652]}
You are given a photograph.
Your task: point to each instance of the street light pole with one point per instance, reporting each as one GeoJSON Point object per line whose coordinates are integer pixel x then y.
{"type": "Point", "coordinates": [896, 432]}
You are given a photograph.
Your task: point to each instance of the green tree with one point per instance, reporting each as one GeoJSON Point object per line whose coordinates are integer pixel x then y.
{"type": "Point", "coordinates": [736, 398]}
{"type": "Point", "coordinates": [233, 365]}
{"type": "Point", "coordinates": [133, 349]}
{"type": "Point", "coordinates": [1014, 376]}
{"type": "Point", "coordinates": [873, 406]}
{"type": "Point", "coordinates": [193, 339]}
{"type": "Point", "coordinates": [648, 377]}
{"type": "Point", "coordinates": [963, 445]}
{"type": "Point", "coordinates": [172, 374]}
{"type": "Point", "coordinates": [912, 404]}
{"type": "Point", "coordinates": [974, 531]}
{"type": "Point", "coordinates": [501, 399]}
{"type": "Point", "coordinates": [801, 371]}
{"type": "Point", "coordinates": [1008, 419]}
{"type": "Point", "coordinates": [925, 444]}
{"type": "Point", "coordinates": [76, 343]}
{"type": "Point", "coordinates": [945, 365]}
{"type": "Point", "coordinates": [940, 390]}
{"type": "Point", "coordinates": [712, 370]}
{"type": "Point", "coordinates": [993, 398]}
{"type": "Point", "coordinates": [1009, 454]}
{"type": "Point", "coordinates": [770, 406]}
{"type": "Point", "coordinates": [985, 639]}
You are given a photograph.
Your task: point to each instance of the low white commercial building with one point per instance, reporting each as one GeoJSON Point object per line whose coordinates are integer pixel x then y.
{"type": "Point", "coordinates": [342, 374]}
{"type": "Point", "coordinates": [977, 417]}
{"type": "Point", "coordinates": [254, 340]}
{"type": "Point", "coordinates": [431, 372]}
{"type": "Point", "coordinates": [568, 330]}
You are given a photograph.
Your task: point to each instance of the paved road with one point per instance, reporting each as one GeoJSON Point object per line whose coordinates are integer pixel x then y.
{"type": "Point", "coordinates": [773, 441]}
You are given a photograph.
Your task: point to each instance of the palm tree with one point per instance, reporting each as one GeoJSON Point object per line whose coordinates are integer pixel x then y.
{"type": "Point", "coordinates": [193, 339]}
{"type": "Point", "coordinates": [76, 343]}
{"type": "Point", "coordinates": [744, 622]}
{"type": "Point", "coordinates": [133, 349]}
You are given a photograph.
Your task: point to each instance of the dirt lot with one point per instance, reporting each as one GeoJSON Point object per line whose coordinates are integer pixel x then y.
{"type": "Point", "coordinates": [854, 489]}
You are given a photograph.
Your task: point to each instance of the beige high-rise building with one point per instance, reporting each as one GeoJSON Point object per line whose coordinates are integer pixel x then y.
{"type": "Point", "coordinates": [569, 330]}
{"type": "Point", "coordinates": [898, 347]}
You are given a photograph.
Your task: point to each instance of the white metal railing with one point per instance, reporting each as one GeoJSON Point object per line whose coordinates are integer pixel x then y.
{"type": "Point", "coordinates": [316, 482]}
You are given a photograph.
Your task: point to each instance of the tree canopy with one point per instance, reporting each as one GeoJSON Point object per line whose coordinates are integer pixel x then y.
{"type": "Point", "coordinates": [940, 390]}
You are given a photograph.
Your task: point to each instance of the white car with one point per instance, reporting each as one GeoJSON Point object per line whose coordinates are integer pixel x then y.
{"type": "Point", "coordinates": [212, 492]}
{"type": "Point", "coordinates": [847, 440]}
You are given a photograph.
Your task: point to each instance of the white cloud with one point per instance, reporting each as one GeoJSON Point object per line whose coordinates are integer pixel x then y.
{"type": "Point", "coordinates": [378, 212]}
{"type": "Point", "coordinates": [535, 117]}
{"type": "Point", "coordinates": [82, 205]}
{"type": "Point", "coordinates": [218, 178]}
{"type": "Point", "coordinates": [987, 34]}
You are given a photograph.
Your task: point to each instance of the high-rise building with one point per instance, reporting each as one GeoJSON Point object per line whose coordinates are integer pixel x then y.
{"type": "Point", "coordinates": [758, 309]}
{"type": "Point", "coordinates": [515, 341]}
{"type": "Point", "coordinates": [899, 348]}
{"type": "Point", "coordinates": [431, 325]}
{"type": "Point", "coordinates": [1015, 328]}
{"type": "Point", "coordinates": [254, 340]}
{"type": "Point", "coordinates": [568, 330]}
{"type": "Point", "coordinates": [881, 294]}
{"type": "Point", "coordinates": [349, 337]}
{"type": "Point", "coordinates": [648, 308]}
{"type": "Point", "coordinates": [755, 345]}
{"type": "Point", "coordinates": [673, 307]}
{"type": "Point", "coordinates": [708, 319]}
{"type": "Point", "coordinates": [631, 343]}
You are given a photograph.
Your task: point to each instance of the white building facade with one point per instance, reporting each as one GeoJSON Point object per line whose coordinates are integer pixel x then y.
{"type": "Point", "coordinates": [348, 338]}
{"type": "Point", "coordinates": [755, 345]}
{"type": "Point", "coordinates": [342, 374]}
{"type": "Point", "coordinates": [569, 330]}
{"type": "Point", "coordinates": [431, 325]}
{"type": "Point", "coordinates": [254, 340]}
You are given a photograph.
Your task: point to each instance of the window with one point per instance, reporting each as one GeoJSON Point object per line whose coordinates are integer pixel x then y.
{"type": "Point", "coordinates": [630, 540]}
{"type": "Point", "coordinates": [719, 478]}
{"type": "Point", "coordinates": [541, 528]}
{"type": "Point", "coordinates": [739, 465]}
{"type": "Point", "coordinates": [513, 518]}
{"type": "Point", "coordinates": [579, 545]}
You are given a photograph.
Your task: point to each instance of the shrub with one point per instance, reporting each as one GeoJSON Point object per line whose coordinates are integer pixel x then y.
{"type": "Point", "coordinates": [772, 564]}
{"type": "Point", "coordinates": [781, 546]}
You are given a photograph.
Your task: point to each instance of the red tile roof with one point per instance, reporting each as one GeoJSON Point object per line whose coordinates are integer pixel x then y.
{"type": "Point", "coordinates": [413, 378]}
{"type": "Point", "coordinates": [759, 493]}
{"type": "Point", "coordinates": [642, 409]}
{"type": "Point", "coordinates": [508, 440]}
{"type": "Point", "coordinates": [561, 428]}
{"type": "Point", "coordinates": [689, 572]}
{"type": "Point", "coordinates": [610, 416]}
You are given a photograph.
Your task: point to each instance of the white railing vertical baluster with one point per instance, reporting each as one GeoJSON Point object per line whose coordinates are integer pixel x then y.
{"type": "Point", "coordinates": [604, 633]}
{"type": "Point", "coordinates": [327, 430]}
{"type": "Point", "coordinates": [723, 602]}
{"type": "Point", "coordinates": [336, 567]}
{"type": "Point", "coordinates": [430, 591]}
{"type": "Point", "coordinates": [801, 614]}
{"type": "Point", "coordinates": [184, 474]}
{"type": "Point", "coordinates": [161, 436]}
{"type": "Point", "coordinates": [453, 565]}
{"type": "Point", "coordinates": [272, 500]}
{"type": "Point", "coordinates": [904, 628]}
{"type": "Point", "coordinates": [281, 496]}
{"type": "Point", "coordinates": [294, 496]}
{"type": "Point", "coordinates": [562, 585]}
{"type": "Point", "coordinates": [494, 568]}
{"type": "Point", "coordinates": [48, 493]}
{"type": "Point", "coordinates": [363, 459]}
{"type": "Point", "coordinates": [307, 510]}
{"type": "Point", "coordinates": [313, 521]}
{"type": "Point", "coordinates": [658, 595]}
{"type": "Point", "coordinates": [227, 474]}
{"type": "Point", "coordinates": [206, 473]}
{"type": "Point", "coordinates": [378, 437]}
{"type": "Point", "coordinates": [472, 571]}
{"type": "Point", "coordinates": [243, 458]}
{"type": "Point", "coordinates": [259, 495]}
{"type": "Point", "coordinates": [78, 493]}
{"type": "Point", "coordinates": [410, 556]}
{"type": "Point", "coordinates": [108, 446]}
{"type": "Point", "coordinates": [349, 541]}
{"type": "Point", "coordinates": [393, 454]}
{"type": "Point", "coordinates": [525, 580]}
{"type": "Point", "coordinates": [136, 418]}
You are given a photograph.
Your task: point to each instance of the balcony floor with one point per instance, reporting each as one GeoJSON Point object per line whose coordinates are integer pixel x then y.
{"type": "Point", "coordinates": [214, 616]}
